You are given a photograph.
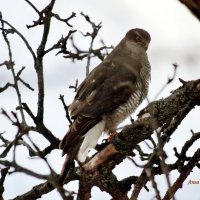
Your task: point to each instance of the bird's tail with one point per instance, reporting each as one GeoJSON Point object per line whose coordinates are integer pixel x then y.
{"type": "Point", "coordinates": [66, 167]}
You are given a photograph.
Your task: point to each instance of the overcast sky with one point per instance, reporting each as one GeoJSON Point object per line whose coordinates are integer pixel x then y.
{"type": "Point", "coordinates": [175, 34]}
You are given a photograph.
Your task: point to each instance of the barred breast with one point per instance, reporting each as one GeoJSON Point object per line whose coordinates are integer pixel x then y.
{"type": "Point", "coordinates": [132, 103]}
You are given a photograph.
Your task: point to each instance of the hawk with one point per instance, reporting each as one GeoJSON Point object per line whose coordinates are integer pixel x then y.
{"type": "Point", "coordinates": [107, 96]}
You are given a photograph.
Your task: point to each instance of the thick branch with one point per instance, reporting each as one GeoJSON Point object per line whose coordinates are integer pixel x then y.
{"type": "Point", "coordinates": [193, 6]}
{"type": "Point", "coordinates": [39, 61]}
{"type": "Point", "coordinates": [36, 192]}
{"type": "Point", "coordinates": [4, 172]}
{"type": "Point", "coordinates": [84, 192]}
{"type": "Point", "coordinates": [168, 112]}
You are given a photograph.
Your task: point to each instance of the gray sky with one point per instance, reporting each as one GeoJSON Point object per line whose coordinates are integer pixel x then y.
{"type": "Point", "coordinates": [175, 39]}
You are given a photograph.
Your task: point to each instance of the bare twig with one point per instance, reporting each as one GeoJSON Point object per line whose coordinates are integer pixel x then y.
{"type": "Point", "coordinates": [61, 44]}
{"type": "Point", "coordinates": [65, 20]}
{"type": "Point", "coordinates": [53, 178]}
{"type": "Point", "coordinates": [184, 172]}
{"type": "Point", "coordinates": [18, 168]}
{"type": "Point", "coordinates": [91, 52]}
{"type": "Point", "coordinates": [22, 81]}
{"type": "Point", "coordinates": [13, 70]}
{"type": "Point", "coordinates": [75, 87]}
{"type": "Point", "coordinates": [5, 87]}
{"type": "Point", "coordinates": [34, 8]}
{"type": "Point", "coordinates": [93, 35]}
{"type": "Point", "coordinates": [22, 129]}
{"type": "Point", "coordinates": [170, 79]}
{"type": "Point", "coordinates": [154, 183]}
{"type": "Point", "coordinates": [162, 155]}
{"type": "Point", "coordinates": [14, 30]}
{"type": "Point", "coordinates": [66, 109]}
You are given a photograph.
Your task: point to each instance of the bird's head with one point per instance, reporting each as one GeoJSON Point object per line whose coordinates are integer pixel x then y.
{"type": "Point", "coordinates": [138, 38]}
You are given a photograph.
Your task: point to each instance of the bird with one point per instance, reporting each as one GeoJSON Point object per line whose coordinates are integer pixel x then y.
{"type": "Point", "coordinates": [109, 94]}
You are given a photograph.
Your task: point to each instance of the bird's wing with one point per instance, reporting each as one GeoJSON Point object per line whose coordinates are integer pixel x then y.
{"type": "Point", "coordinates": [107, 87]}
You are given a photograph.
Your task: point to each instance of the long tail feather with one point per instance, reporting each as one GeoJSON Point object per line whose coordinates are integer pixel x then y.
{"type": "Point", "coordinates": [66, 167]}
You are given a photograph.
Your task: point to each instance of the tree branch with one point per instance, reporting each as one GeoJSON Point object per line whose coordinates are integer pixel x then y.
{"type": "Point", "coordinates": [46, 17]}
{"type": "Point", "coordinates": [4, 172]}
{"type": "Point", "coordinates": [184, 172]}
{"type": "Point", "coordinates": [193, 6]}
{"type": "Point", "coordinates": [168, 113]}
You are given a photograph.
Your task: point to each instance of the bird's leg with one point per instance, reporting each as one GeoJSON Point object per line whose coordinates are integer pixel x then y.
{"type": "Point", "coordinates": [112, 135]}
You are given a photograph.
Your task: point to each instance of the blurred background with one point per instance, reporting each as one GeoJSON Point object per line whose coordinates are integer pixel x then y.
{"type": "Point", "coordinates": [175, 34]}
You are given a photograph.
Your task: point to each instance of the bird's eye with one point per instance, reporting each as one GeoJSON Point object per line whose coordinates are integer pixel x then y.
{"type": "Point", "coordinates": [138, 38]}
